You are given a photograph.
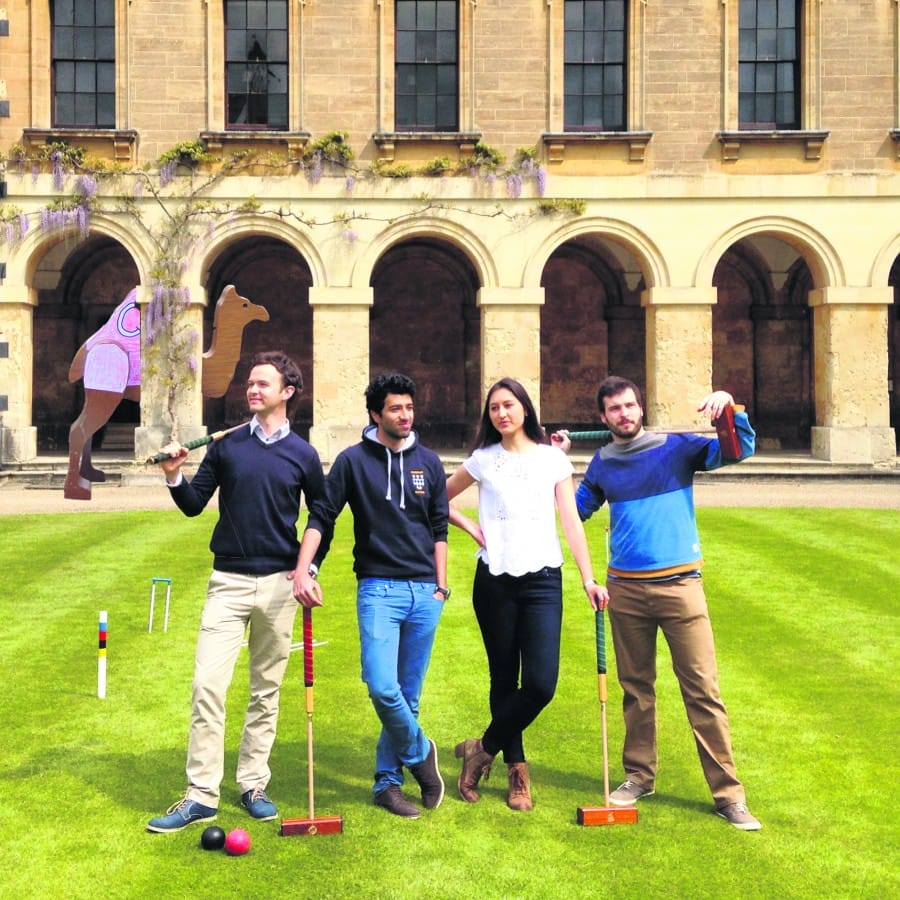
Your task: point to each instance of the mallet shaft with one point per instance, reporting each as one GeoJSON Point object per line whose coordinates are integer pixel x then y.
{"type": "Point", "coordinates": [603, 435]}
{"type": "Point", "coordinates": [196, 442]}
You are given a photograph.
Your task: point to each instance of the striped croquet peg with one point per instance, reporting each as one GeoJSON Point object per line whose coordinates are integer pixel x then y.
{"type": "Point", "coordinates": [101, 656]}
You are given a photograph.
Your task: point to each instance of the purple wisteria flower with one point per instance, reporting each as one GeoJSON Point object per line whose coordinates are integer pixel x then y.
{"type": "Point", "coordinates": [86, 185]}
{"type": "Point", "coordinates": [514, 185]}
{"type": "Point", "coordinates": [314, 172]}
{"type": "Point", "coordinates": [59, 176]}
{"type": "Point", "coordinates": [541, 181]}
{"type": "Point", "coordinates": [24, 224]}
{"type": "Point", "coordinates": [349, 184]}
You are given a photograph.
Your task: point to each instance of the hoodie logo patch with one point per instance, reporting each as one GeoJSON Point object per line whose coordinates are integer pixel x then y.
{"type": "Point", "coordinates": [418, 480]}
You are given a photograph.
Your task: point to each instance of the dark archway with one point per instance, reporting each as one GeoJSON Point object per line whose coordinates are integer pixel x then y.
{"type": "Point", "coordinates": [762, 339]}
{"type": "Point", "coordinates": [894, 351]}
{"type": "Point", "coordinates": [425, 323]}
{"type": "Point", "coordinates": [77, 290]}
{"type": "Point", "coordinates": [592, 325]}
{"type": "Point", "coordinates": [274, 275]}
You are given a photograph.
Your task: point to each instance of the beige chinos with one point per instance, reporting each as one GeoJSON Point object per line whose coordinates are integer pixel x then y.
{"type": "Point", "coordinates": [678, 608]}
{"type": "Point", "coordinates": [233, 601]}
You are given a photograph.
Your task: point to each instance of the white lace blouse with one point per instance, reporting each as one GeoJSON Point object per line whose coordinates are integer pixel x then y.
{"type": "Point", "coordinates": [517, 506]}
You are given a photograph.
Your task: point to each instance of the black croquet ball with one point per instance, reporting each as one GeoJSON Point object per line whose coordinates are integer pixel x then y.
{"type": "Point", "coordinates": [213, 838]}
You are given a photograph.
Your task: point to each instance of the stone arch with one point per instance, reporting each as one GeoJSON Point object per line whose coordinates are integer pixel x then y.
{"type": "Point", "coordinates": [884, 262]}
{"type": "Point", "coordinates": [25, 258]}
{"type": "Point", "coordinates": [652, 264]}
{"type": "Point", "coordinates": [74, 288]}
{"type": "Point", "coordinates": [823, 260]}
{"type": "Point", "coordinates": [469, 244]}
{"type": "Point", "coordinates": [425, 321]}
{"type": "Point", "coordinates": [248, 225]}
{"type": "Point", "coordinates": [275, 274]}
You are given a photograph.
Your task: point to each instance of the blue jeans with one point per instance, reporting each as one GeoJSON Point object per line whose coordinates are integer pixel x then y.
{"type": "Point", "coordinates": [397, 624]}
{"type": "Point", "coordinates": [520, 620]}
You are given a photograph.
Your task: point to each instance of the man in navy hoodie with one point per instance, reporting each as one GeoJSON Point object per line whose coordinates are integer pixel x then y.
{"type": "Point", "coordinates": [397, 492]}
{"type": "Point", "coordinates": [260, 472]}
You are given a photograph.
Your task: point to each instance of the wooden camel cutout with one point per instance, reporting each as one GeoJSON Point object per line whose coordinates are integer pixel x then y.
{"type": "Point", "coordinates": [110, 364]}
{"type": "Point", "coordinates": [233, 313]}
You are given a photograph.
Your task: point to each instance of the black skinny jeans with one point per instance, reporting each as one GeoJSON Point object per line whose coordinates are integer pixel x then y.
{"type": "Point", "coordinates": [520, 620]}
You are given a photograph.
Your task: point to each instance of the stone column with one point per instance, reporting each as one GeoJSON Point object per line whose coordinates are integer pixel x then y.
{"type": "Point", "coordinates": [679, 353]}
{"type": "Point", "coordinates": [850, 346]}
{"type": "Point", "coordinates": [156, 423]}
{"type": "Point", "coordinates": [511, 337]}
{"type": "Point", "coordinates": [341, 366]}
{"type": "Point", "coordinates": [18, 435]}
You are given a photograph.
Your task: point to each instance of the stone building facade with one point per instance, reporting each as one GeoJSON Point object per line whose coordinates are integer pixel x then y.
{"type": "Point", "coordinates": [694, 195]}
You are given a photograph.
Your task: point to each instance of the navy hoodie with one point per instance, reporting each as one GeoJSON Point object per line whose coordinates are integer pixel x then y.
{"type": "Point", "coordinates": [399, 505]}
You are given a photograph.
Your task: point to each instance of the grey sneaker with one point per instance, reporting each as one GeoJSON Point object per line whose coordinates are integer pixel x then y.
{"type": "Point", "coordinates": [628, 793]}
{"type": "Point", "coordinates": [428, 775]}
{"type": "Point", "coordinates": [738, 815]}
{"type": "Point", "coordinates": [181, 814]}
{"type": "Point", "coordinates": [258, 804]}
{"type": "Point", "coordinates": [393, 801]}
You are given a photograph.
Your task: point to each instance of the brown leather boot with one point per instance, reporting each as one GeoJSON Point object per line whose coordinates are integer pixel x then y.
{"type": "Point", "coordinates": [476, 765]}
{"type": "Point", "coordinates": [519, 787]}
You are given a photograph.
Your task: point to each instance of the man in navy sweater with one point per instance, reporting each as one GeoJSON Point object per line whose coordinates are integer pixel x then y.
{"type": "Point", "coordinates": [655, 585]}
{"type": "Point", "coordinates": [397, 491]}
{"type": "Point", "coordinates": [260, 472]}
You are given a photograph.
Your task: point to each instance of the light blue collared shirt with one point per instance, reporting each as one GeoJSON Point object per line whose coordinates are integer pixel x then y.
{"type": "Point", "coordinates": [257, 429]}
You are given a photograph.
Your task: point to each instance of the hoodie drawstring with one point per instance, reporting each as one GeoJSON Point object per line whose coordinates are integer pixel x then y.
{"type": "Point", "coordinates": [387, 496]}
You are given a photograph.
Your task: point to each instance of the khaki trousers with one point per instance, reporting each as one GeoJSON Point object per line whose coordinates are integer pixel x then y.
{"type": "Point", "coordinates": [677, 608]}
{"type": "Point", "coordinates": [267, 605]}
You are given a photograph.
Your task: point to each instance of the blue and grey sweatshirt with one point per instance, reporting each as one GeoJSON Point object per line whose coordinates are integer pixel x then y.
{"type": "Point", "coordinates": [648, 483]}
{"type": "Point", "coordinates": [399, 505]}
{"type": "Point", "coordinates": [259, 500]}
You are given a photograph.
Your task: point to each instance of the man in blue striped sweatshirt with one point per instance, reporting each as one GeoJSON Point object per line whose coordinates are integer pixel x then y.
{"type": "Point", "coordinates": [654, 584]}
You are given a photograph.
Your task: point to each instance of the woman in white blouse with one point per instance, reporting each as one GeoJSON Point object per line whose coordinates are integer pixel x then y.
{"type": "Point", "coordinates": [517, 594]}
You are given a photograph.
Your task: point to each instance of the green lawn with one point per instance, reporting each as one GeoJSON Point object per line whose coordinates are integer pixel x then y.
{"type": "Point", "coordinates": [805, 608]}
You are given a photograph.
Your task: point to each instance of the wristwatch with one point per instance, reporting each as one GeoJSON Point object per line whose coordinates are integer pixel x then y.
{"type": "Point", "coordinates": [443, 591]}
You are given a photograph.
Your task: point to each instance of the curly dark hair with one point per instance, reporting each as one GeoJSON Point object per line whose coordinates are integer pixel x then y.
{"type": "Point", "coordinates": [387, 383]}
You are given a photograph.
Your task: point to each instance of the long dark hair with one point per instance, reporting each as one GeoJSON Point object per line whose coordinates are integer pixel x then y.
{"type": "Point", "coordinates": [488, 435]}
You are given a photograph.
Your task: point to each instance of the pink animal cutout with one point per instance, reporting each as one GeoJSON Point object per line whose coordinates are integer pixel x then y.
{"type": "Point", "coordinates": [233, 313]}
{"type": "Point", "coordinates": [110, 363]}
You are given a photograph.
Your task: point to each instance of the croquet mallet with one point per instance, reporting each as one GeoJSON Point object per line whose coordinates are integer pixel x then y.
{"type": "Point", "coordinates": [322, 824]}
{"type": "Point", "coordinates": [606, 814]}
{"type": "Point", "coordinates": [197, 442]}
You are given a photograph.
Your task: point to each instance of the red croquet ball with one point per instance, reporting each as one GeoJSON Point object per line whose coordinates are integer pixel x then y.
{"type": "Point", "coordinates": [237, 842]}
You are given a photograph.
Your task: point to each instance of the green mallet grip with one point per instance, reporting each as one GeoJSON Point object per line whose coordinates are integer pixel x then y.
{"type": "Point", "coordinates": [601, 642]}
{"type": "Point", "coordinates": [190, 445]}
{"type": "Point", "coordinates": [590, 435]}
{"type": "Point", "coordinates": [196, 442]}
